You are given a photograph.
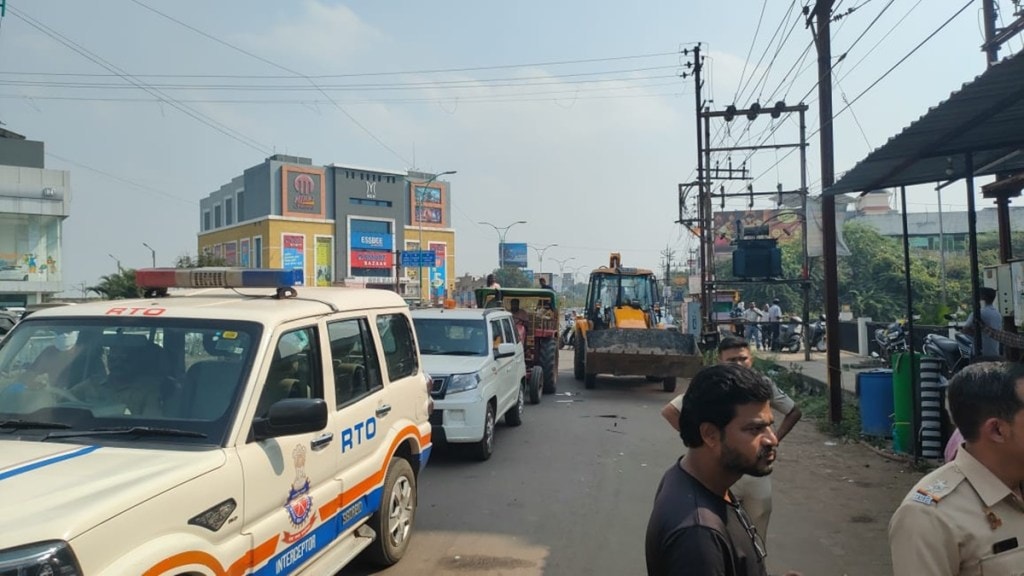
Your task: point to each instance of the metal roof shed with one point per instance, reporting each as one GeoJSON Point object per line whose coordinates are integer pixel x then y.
{"type": "Point", "coordinates": [977, 131]}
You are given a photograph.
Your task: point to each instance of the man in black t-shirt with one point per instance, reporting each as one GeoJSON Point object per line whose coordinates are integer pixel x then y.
{"type": "Point", "coordinates": [696, 527]}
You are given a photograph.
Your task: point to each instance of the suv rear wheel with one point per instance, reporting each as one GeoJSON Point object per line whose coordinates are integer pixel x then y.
{"type": "Point", "coordinates": [394, 520]}
{"type": "Point", "coordinates": [514, 416]}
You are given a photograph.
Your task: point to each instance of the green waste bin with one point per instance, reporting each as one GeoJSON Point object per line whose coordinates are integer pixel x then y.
{"type": "Point", "coordinates": [904, 366]}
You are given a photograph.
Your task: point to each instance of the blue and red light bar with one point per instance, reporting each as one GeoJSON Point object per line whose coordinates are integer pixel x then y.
{"type": "Point", "coordinates": [150, 278]}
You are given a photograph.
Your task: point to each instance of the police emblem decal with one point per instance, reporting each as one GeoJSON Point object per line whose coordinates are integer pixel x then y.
{"type": "Point", "coordinates": [300, 503]}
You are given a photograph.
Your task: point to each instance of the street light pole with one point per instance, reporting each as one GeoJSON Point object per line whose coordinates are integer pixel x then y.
{"type": "Point", "coordinates": [540, 255]}
{"type": "Point", "coordinates": [561, 267]}
{"type": "Point", "coordinates": [419, 220]}
{"type": "Point", "coordinates": [118, 260]}
{"type": "Point", "coordinates": [151, 252]}
{"type": "Point", "coordinates": [502, 233]}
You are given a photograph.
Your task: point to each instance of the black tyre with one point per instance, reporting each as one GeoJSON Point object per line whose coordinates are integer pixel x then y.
{"type": "Point", "coordinates": [590, 381]}
{"type": "Point", "coordinates": [548, 357]}
{"type": "Point", "coordinates": [514, 415]}
{"type": "Point", "coordinates": [578, 359]}
{"type": "Point", "coordinates": [669, 384]}
{"type": "Point", "coordinates": [794, 347]}
{"type": "Point", "coordinates": [394, 521]}
{"type": "Point", "coordinates": [535, 384]}
{"type": "Point", "coordinates": [483, 449]}
{"type": "Point", "coordinates": [821, 345]}
{"type": "Point", "coordinates": [654, 378]}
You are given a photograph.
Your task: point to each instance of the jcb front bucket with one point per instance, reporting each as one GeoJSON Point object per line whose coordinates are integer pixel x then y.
{"type": "Point", "coordinates": [642, 352]}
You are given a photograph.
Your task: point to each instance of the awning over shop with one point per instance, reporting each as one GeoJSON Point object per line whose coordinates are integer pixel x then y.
{"type": "Point", "coordinates": [985, 117]}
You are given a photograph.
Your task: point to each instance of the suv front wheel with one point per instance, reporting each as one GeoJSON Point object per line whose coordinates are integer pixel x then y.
{"type": "Point", "coordinates": [485, 447]}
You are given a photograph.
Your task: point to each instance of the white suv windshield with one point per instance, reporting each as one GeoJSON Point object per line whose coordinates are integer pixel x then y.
{"type": "Point", "coordinates": [451, 337]}
{"type": "Point", "coordinates": [84, 374]}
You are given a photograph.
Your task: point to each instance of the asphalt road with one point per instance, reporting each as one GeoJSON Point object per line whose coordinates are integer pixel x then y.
{"type": "Point", "coordinates": [568, 492]}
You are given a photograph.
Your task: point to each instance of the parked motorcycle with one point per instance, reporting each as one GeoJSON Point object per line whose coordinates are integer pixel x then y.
{"type": "Point", "coordinates": [891, 340]}
{"type": "Point", "coordinates": [955, 352]}
{"type": "Point", "coordinates": [791, 333]}
{"type": "Point", "coordinates": [817, 335]}
{"type": "Point", "coordinates": [568, 338]}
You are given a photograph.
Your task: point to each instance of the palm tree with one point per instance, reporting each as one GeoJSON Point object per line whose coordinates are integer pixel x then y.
{"type": "Point", "coordinates": [117, 286]}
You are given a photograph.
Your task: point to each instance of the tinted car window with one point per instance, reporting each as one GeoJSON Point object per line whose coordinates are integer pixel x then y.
{"type": "Point", "coordinates": [399, 345]}
{"type": "Point", "coordinates": [353, 359]}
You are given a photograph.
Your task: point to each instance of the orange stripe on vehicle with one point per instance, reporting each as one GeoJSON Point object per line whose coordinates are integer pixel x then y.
{"type": "Point", "coordinates": [254, 557]}
{"type": "Point", "coordinates": [184, 559]}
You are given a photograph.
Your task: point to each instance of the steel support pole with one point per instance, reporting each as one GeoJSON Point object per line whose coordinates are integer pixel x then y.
{"type": "Point", "coordinates": [915, 419]}
{"type": "Point", "coordinates": [806, 272]}
{"type": "Point", "coordinates": [972, 234]}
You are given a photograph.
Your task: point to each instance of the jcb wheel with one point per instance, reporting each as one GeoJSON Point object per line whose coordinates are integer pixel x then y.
{"type": "Point", "coordinates": [578, 368]}
{"type": "Point", "coordinates": [549, 362]}
{"type": "Point", "coordinates": [669, 384]}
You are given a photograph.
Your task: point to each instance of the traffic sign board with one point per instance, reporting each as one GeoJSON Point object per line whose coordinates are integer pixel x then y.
{"type": "Point", "coordinates": [418, 258]}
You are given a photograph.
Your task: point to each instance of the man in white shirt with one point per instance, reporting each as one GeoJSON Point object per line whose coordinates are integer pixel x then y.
{"type": "Point", "coordinates": [774, 325]}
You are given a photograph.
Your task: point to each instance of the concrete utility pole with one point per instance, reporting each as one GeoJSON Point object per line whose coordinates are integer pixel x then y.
{"type": "Point", "coordinates": [668, 254]}
{"type": "Point", "coordinates": [822, 15]}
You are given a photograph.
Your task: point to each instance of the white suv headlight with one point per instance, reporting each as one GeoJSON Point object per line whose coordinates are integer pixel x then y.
{"type": "Point", "coordinates": [463, 382]}
{"type": "Point", "coordinates": [43, 558]}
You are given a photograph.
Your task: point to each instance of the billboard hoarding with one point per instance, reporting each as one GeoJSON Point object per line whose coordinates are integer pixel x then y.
{"type": "Point", "coordinates": [324, 257]}
{"type": "Point", "coordinates": [293, 253]}
{"type": "Point", "coordinates": [513, 254]}
{"type": "Point", "coordinates": [372, 259]}
{"type": "Point", "coordinates": [372, 241]}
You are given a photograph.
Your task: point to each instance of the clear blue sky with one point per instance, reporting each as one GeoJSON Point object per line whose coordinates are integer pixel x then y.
{"type": "Point", "coordinates": [588, 153]}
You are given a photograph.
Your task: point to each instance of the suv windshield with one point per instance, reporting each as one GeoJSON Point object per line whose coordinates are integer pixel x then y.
{"type": "Point", "coordinates": [444, 336]}
{"type": "Point", "coordinates": [84, 374]}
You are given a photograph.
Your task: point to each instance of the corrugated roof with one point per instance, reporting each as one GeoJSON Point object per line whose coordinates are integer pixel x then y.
{"type": "Point", "coordinates": [985, 117]}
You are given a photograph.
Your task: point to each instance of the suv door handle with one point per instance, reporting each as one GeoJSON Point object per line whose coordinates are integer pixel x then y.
{"type": "Point", "coordinates": [321, 441]}
{"type": "Point", "coordinates": [383, 411]}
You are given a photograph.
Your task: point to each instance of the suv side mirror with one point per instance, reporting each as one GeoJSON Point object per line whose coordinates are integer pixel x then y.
{"type": "Point", "coordinates": [505, 349]}
{"type": "Point", "coordinates": [291, 416]}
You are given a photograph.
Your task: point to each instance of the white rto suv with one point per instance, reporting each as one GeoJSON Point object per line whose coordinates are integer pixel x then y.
{"type": "Point", "coordinates": [476, 361]}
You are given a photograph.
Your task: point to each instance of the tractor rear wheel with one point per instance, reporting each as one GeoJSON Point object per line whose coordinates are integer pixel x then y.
{"type": "Point", "coordinates": [548, 356]}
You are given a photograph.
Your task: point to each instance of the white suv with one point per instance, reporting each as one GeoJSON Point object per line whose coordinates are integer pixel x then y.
{"type": "Point", "coordinates": [478, 370]}
{"type": "Point", "coordinates": [247, 431]}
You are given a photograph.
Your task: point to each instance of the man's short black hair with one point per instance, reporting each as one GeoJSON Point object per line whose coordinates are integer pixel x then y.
{"type": "Point", "coordinates": [988, 295]}
{"type": "Point", "coordinates": [731, 343]}
{"type": "Point", "coordinates": [713, 396]}
{"type": "Point", "coordinates": [983, 391]}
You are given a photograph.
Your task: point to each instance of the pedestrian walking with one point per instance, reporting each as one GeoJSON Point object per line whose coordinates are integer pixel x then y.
{"type": "Point", "coordinates": [774, 325]}
{"type": "Point", "coordinates": [752, 319]}
{"type": "Point", "coordinates": [966, 518]}
{"type": "Point", "coordinates": [697, 526]}
{"type": "Point", "coordinates": [753, 492]}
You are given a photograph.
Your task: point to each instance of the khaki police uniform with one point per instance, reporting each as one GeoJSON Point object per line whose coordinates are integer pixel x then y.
{"type": "Point", "coordinates": [959, 520]}
{"type": "Point", "coordinates": [755, 492]}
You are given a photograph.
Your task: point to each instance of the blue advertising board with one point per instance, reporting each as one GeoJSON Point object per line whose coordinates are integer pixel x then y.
{"type": "Point", "coordinates": [418, 258]}
{"type": "Point", "coordinates": [372, 241]}
{"type": "Point", "coordinates": [513, 254]}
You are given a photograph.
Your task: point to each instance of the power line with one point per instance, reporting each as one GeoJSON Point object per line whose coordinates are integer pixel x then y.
{"type": "Point", "coordinates": [122, 180]}
{"type": "Point", "coordinates": [196, 115]}
{"type": "Point", "coordinates": [364, 74]}
{"type": "Point", "coordinates": [739, 93]}
{"type": "Point", "coordinates": [447, 84]}
{"type": "Point", "coordinates": [457, 99]}
{"type": "Point", "coordinates": [881, 40]}
{"type": "Point", "coordinates": [753, 40]}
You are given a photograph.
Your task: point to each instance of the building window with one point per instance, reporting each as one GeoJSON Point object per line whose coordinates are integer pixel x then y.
{"type": "Point", "coordinates": [240, 205]}
{"type": "Point", "coordinates": [370, 202]}
{"type": "Point", "coordinates": [229, 211]}
{"type": "Point", "coordinates": [216, 216]}
{"type": "Point", "coordinates": [206, 220]}
{"type": "Point", "coordinates": [257, 251]}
